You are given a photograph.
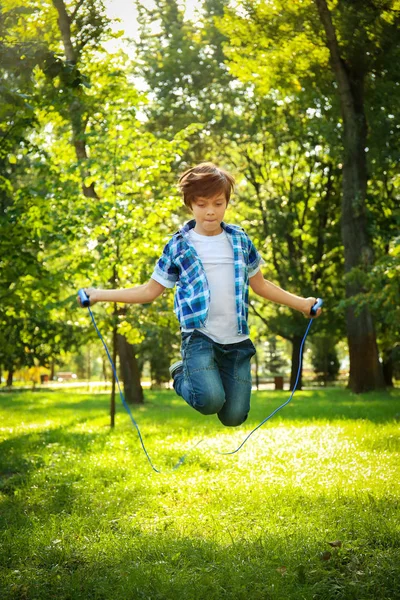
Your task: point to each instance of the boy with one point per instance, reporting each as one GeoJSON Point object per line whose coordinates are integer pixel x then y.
{"type": "Point", "coordinates": [212, 265]}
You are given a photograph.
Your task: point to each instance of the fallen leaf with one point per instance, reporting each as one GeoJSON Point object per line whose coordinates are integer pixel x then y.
{"type": "Point", "coordinates": [326, 555]}
{"type": "Point", "coordinates": [282, 570]}
{"type": "Point", "coordinates": [336, 544]}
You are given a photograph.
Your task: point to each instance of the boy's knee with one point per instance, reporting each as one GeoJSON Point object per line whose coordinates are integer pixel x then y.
{"type": "Point", "coordinates": [208, 404]}
{"type": "Point", "coordinates": [232, 420]}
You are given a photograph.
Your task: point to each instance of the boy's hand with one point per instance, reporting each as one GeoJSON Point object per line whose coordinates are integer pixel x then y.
{"type": "Point", "coordinates": [308, 304]}
{"type": "Point", "coordinates": [90, 293]}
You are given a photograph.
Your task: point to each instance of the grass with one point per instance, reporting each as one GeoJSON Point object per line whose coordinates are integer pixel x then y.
{"type": "Point", "coordinates": [83, 516]}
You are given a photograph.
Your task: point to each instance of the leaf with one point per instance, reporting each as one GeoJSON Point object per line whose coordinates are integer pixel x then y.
{"type": "Point", "coordinates": [335, 544]}
{"type": "Point", "coordinates": [24, 10]}
{"type": "Point", "coordinates": [326, 555]}
{"type": "Point", "coordinates": [282, 570]}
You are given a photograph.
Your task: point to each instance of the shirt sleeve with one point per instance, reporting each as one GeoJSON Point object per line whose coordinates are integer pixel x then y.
{"type": "Point", "coordinates": [165, 271]}
{"type": "Point", "coordinates": [255, 258]}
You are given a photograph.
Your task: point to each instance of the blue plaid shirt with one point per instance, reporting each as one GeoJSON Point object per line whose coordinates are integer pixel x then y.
{"type": "Point", "coordinates": [181, 265]}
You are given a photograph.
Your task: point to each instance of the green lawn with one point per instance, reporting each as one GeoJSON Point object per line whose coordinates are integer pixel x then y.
{"type": "Point", "coordinates": [82, 515]}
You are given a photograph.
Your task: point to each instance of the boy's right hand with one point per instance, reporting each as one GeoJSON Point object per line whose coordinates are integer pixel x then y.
{"type": "Point", "coordinates": [90, 293]}
{"type": "Point", "coordinates": [308, 305]}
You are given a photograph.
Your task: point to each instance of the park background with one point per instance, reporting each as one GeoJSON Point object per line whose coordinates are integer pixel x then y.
{"type": "Point", "coordinates": [300, 101]}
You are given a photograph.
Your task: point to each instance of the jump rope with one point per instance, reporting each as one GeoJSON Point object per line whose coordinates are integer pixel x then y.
{"type": "Point", "coordinates": [85, 301]}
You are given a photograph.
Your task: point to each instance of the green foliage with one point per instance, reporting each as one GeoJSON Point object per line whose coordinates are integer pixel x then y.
{"type": "Point", "coordinates": [28, 328]}
{"type": "Point", "coordinates": [380, 292]}
{"type": "Point", "coordinates": [308, 509]}
{"type": "Point", "coordinates": [276, 46]}
{"type": "Point", "coordinates": [182, 63]}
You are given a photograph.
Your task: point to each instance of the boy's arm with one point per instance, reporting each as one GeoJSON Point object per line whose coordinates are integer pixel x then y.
{"type": "Point", "coordinates": [141, 294]}
{"type": "Point", "coordinates": [264, 288]}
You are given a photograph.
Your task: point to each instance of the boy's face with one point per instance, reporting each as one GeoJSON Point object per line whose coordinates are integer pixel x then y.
{"type": "Point", "coordinates": [208, 213]}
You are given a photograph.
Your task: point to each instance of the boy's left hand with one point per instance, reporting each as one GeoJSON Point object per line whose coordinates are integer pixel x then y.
{"type": "Point", "coordinates": [308, 304]}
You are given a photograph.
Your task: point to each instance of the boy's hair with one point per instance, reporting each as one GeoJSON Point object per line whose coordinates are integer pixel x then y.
{"type": "Point", "coordinates": [205, 180]}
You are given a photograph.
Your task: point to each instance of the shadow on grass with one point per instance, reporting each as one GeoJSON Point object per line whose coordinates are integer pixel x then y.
{"type": "Point", "coordinates": [329, 405]}
{"type": "Point", "coordinates": [123, 560]}
{"type": "Point", "coordinates": [23, 453]}
{"type": "Point", "coordinates": [68, 473]}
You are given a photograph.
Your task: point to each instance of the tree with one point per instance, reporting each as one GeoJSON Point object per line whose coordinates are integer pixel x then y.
{"type": "Point", "coordinates": [281, 46]}
{"type": "Point", "coordinates": [89, 93]}
{"type": "Point", "coordinates": [29, 326]}
{"type": "Point", "coordinates": [350, 67]}
{"type": "Point", "coordinates": [183, 66]}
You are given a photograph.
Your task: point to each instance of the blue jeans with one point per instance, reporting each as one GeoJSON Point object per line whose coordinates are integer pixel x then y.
{"type": "Point", "coordinates": [215, 378]}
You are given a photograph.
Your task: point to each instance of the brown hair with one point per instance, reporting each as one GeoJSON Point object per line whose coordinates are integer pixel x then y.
{"type": "Point", "coordinates": [205, 180]}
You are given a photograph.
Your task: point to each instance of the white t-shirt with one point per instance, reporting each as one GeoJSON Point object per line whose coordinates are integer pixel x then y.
{"type": "Point", "coordinates": [216, 255]}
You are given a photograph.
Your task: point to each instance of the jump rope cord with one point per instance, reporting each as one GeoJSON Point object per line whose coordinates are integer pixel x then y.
{"type": "Point", "coordinates": [279, 407]}
{"type": "Point", "coordinates": [181, 460]}
{"type": "Point", "coordinates": [128, 410]}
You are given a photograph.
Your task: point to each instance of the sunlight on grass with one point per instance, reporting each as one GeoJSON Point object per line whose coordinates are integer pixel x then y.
{"type": "Point", "coordinates": [83, 515]}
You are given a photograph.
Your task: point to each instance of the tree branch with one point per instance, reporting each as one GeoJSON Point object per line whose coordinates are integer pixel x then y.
{"type": "Point", "coordinates": [76, 9]}
{"type": "Point", "coordinates": [338, 64]}
{"type": "Point", "coordinates": [65, 30]}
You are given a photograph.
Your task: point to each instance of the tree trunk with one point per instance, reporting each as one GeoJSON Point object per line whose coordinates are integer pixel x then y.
{"type": "Point", "coordinates": [89, 365]}
{"type": "Point", "coordinates": [104, 368]}
{"type": "Point", "coordinates": [296, 359]}
{"type": "Point", "coordinates": [387, 367]}
{"type": "Point", "coordinates": [76, 107]}
{"type": "Point", "coordinates": [133, 390]}
{"type": "Point", "coordinates": [365, 369]}
{"type": "Point", "coordinates": [10, 376]}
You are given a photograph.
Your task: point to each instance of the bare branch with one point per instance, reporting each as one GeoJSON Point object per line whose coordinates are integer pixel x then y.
{"type": "Point", "coordinates": [65, 30]}
{"type": "Point", "coordinates": [76, 9]}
